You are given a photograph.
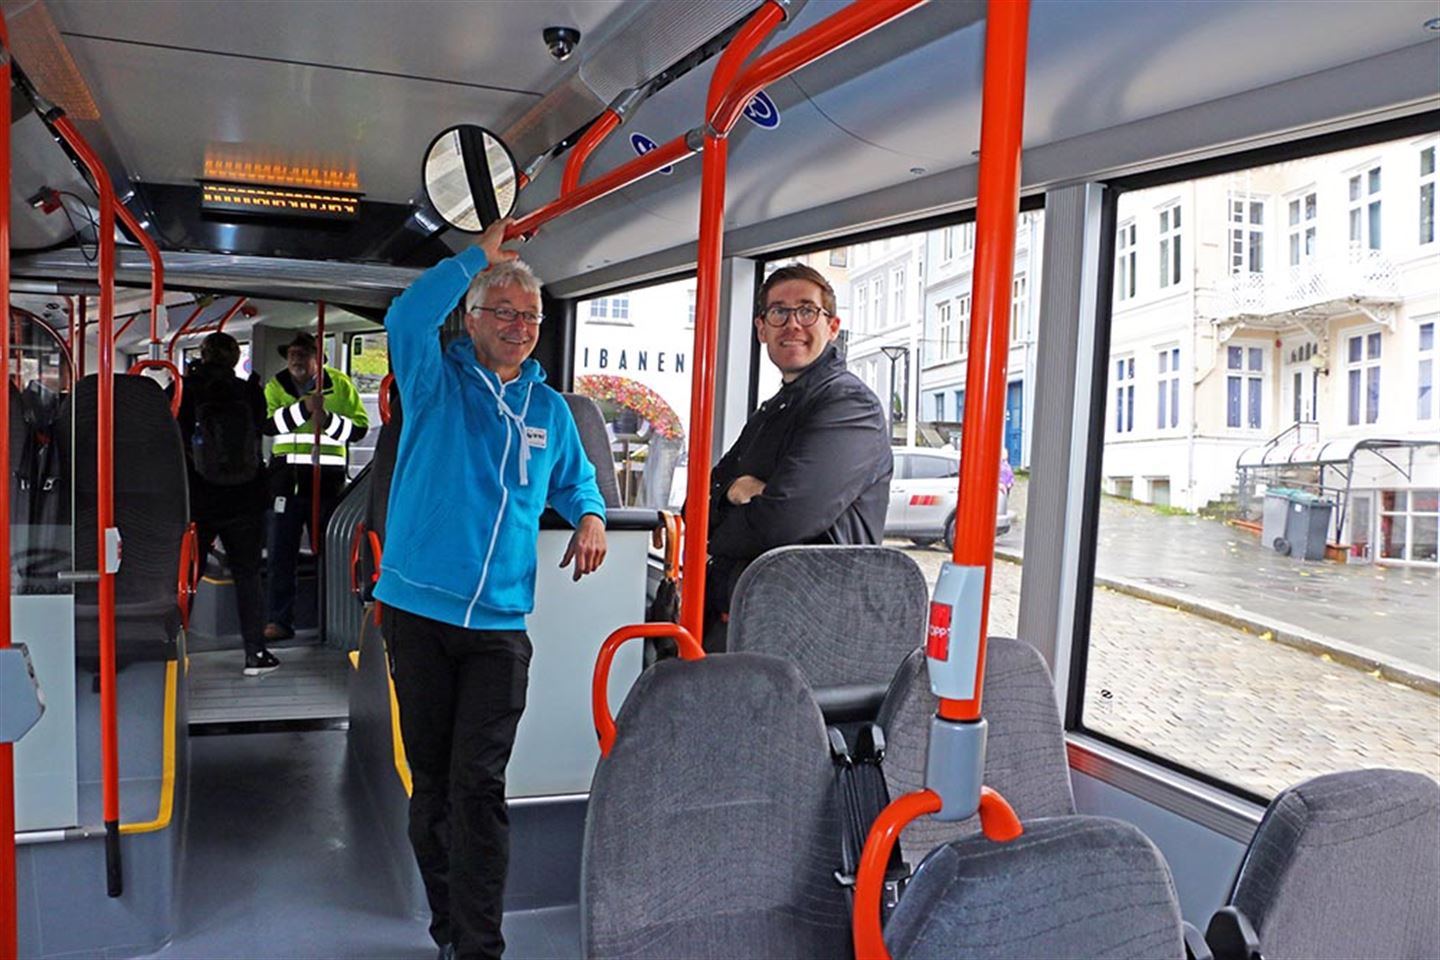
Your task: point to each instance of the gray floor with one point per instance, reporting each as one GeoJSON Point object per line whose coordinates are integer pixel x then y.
{"type": "Point", "coordinates": [311, 684]}
{"type": "Point", "coordinates": [279, 864]}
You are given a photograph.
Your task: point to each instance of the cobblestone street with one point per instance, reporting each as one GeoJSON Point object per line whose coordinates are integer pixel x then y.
{"type": "Point", "coordinates": [1240, 707]}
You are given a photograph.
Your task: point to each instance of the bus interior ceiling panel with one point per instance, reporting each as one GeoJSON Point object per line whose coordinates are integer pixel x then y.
{"type": "Point", "coordinates": [38, 162]}
{"type": "Point", "coordinates": [860, 122]}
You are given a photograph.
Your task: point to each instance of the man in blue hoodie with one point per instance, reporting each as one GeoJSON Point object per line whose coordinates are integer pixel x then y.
{"type": "Point", "coordinates": [485, 446]}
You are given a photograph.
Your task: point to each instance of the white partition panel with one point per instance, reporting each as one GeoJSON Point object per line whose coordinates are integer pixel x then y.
{"type": "Point", "coordinates": [555, 749]}
{"type": "Point", "coordinates": [45, 763]}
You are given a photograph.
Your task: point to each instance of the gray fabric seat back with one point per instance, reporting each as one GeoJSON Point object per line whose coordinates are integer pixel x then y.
{"type": "Point", "coordinates": [1025, 746]}
{"type": "Point", "coordinates": [846, 615]}
{"type": "Point", "coordinates": [1068, 887]}
{"type": "Point", "coordinates": [593, 436]}
{"type": "Point", "coordinates": [711, 830]}
{"type": "Point", "coordinates": [152, 509]}
{"type": "Point", "coordinates": [382, 465]}
{"type": "Point", "coordinates": [1346, 865]}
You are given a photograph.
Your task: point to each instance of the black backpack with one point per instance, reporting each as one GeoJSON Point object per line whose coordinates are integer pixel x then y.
{"type": "Point", "coordinates": [225, 444]}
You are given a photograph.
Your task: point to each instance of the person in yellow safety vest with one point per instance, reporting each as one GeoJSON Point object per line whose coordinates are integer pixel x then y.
{"type": "Point", "coordinates": [292, 397]}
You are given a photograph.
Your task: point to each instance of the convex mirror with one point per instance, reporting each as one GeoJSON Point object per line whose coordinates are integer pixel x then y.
{"type": "Point", "coordinates": [470, 177]}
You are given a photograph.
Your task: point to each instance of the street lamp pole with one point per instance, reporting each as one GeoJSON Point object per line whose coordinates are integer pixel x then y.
{"type": "Point", "coordinates": [894, 351]}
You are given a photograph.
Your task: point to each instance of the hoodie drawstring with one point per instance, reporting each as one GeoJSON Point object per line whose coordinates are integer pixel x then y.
{"type": "Point", "coordinates": [518, 420]}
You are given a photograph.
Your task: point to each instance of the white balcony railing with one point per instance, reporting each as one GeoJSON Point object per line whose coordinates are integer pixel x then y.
{"type": "Point", "coordinates": [1319, 287]}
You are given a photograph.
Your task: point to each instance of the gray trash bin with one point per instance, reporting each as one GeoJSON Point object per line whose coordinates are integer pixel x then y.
{"type": "Point", "coordinates": [1275, 511]}
{"type": "Point", "coordinates": [1307, 524]}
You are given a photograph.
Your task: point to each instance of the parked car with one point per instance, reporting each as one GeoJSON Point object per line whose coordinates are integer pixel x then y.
{"type": "Point", "coordinates": [923, 494]}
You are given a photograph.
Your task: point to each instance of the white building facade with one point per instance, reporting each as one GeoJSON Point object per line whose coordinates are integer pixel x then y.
{"type": "Point", "coordinates": [1281, 314]}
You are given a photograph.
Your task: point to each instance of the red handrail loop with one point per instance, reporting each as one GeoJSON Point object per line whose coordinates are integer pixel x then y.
{"type": "Point", "coordinates": [140, 366]}
{"type": "Point", "coordinates": [600, 687]}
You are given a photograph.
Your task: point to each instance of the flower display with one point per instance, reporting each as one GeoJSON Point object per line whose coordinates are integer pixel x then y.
{"type": "Point", "coordinates": [632, 395]}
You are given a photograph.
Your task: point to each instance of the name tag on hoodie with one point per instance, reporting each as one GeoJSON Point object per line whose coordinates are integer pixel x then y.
{"type": "Point", "coordinates": [535, 437]}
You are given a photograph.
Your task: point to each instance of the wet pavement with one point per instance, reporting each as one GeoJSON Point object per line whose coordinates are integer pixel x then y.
{"type": "Point", "coordinates": [1393, 613]}
{"type": "Point", "coordinates": [1250, 711]}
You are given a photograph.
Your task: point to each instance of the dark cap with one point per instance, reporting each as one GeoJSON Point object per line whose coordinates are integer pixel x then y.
{"type": "Point", "coordinates": [302, 339]}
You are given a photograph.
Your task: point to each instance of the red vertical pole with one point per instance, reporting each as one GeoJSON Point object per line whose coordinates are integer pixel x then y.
{"type": "Point", "coordinates": [1001, 125]}
{"type": "Point", "coordinates": [108, 545]}
{"type": "Point", "coordinates": [598, 131]}
{"type": "Point", "coordinates": [157, 272]}
{"type": "Point", "coordinates": [9, 923]}
{"type": "Point", "coordinates": [315, 450]}
{"type": "Point", "coordinates": [707, 313]}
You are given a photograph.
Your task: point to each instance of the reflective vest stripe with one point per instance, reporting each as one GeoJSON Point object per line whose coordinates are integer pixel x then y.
{"type": "Point", "coordinates": [305, 459]}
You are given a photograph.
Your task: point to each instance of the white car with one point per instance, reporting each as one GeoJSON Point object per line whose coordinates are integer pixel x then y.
{"type": "Point", "coordinates": [923, 494]}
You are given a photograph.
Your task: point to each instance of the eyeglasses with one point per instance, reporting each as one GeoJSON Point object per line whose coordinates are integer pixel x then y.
{"type": "Point", "coordinates": [806, 314]}
{"type": "Point", "coordinates": [506, 314]}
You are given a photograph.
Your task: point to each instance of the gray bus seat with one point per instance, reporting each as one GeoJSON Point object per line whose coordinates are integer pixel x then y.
{"type": "Point", "coordinates": [1068, 887]}
{"type": "Point", "coordinates": [846, 615]}
{"type": "Point", "coordinates": [151, 511]}
{"type": "Point", "coordinates": [596, 441]}
{"type": "Point", "coordinates": [1025, 745]}
{"type": "Point", "coordinates": [711, 829]}
{"type": "Point", "coordinates": [1344, 865]}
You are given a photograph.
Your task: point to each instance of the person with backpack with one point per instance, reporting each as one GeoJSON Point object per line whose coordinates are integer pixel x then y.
{"type": "Point", "coordinates": [221, 417]}
{"type": "Point", "coordinates": [292, 398]}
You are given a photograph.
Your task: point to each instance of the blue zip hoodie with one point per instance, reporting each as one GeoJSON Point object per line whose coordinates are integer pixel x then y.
{"type": "Point", "coordinates": [478, 461]}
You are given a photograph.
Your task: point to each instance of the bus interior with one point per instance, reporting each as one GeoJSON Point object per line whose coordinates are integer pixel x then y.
{"type": "Point", "coordinates": [1165, 274]}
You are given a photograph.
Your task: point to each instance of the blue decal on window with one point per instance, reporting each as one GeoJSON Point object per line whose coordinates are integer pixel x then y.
{"type": "Point", "coordinates": [643, 145]}
{"type": "Point", "coordinates": [762, 112]}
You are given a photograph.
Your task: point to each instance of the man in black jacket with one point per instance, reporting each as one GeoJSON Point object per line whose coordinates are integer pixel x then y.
{"type": "Point", "coordinates": [813, 464]}
{"type": "Point", "coordinates": [228, 490]}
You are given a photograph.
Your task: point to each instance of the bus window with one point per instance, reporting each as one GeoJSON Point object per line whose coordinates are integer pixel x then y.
{"type": "Point", "coordinates": [632, 357]}
{"type": "Point", "coordinates": [369, 361]}
{"type": "Point", "coordinates": [1258, 614]}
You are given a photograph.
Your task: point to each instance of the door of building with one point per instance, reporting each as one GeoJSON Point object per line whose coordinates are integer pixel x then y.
{"type": "Point", "coordinates": [1014, 420]}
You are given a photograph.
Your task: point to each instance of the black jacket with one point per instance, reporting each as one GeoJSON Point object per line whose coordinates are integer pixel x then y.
{"type": "Point", "coordinates": [210, 502]}
{"type": "Point", "coordinates": [822, 447]}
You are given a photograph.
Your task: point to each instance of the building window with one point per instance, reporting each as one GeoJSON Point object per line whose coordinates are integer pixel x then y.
{"type": "Point", "coordinates": [599, 308]}
{"type": "Point", "coordinates": [1247, 234]}
{"type": "Point", "coordinates": [944, 332]}
{"type": "Point", "coordinates": [962, 313]}
{"type": "Point", "coordinates": [1245, 387]}
{"type": "Point", "coordinates": [877, 290]}
{"type": "Point", "coordinates": [1168, 392]}
{"type": "Point", "coordinates": [959, 405]}
{"type": "Point", "coordinates": [1425, 383]}
{"type": "Point", "coordinates": [1019, 307]}
{"type": "Point", "coordinates": [1427, 195]}
{"type": "Point", "coordinates": [1362, 364]}
{"type": "Point", "coordinates": [1170, 246]}
{"type": "Point", "coordinates": [1125, 395]}
{"type": "Point", "coordinates": [1365, 209]}
{"type": "Point", "coordinates": [690, 308]}
{"type": "Point", "coordinates": [1300, 223]}
{"type": "Point", "coordinates": [840, 257]}
{"type": "Point", "coordinates": [620, 307]}
{"type": "Point", "coordinates": [862, 309]}
{"type": "Point", "coordinates": [967, 237]}
{"type": "Point", "coordinates": [939, 406]}
{"type": "Point", "coordinates": [897, 293]}
{"type": "Point", "coordinates": [1409, 523]}
{"type": "Point", "coordinates": [947, 244]}
{"type": "Point", "coordinates": [1125, 262]}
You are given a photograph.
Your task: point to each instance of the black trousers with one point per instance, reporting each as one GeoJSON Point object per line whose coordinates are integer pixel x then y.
{"type": "Point", "coordinates": [286, 529]}
{"type": "Point", "coordinates": [461, 693]}
{"type": "Point", "coordinates": [244, 538]}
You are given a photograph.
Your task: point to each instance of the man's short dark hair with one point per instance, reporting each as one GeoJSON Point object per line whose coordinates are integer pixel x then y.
{"type": "Point", "coordinates": [797, 271]}
{"type": "Point", "coordinates": [220, 348]}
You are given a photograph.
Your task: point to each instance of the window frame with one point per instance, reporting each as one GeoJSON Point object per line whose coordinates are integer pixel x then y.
{"type": "Point", "coordinates": [1168, 240]}
{"type": "Point", "coordinates": [1245, 236]}
{"type": "Point", "coordinates": [1125, 260]}
{"type": "Point", "coordinates": [1425, 393]}
{"type": "Point", "coordinates": [1167, 380]}
{"type": "Point", "coordinates": [1361, 367]}
{"type": "Point", "coordinates": [1364, 210]}
{"type": "Point", "coordinates": [1302, 235]}
{"type": "Point", "coordinates": [1425, 184]}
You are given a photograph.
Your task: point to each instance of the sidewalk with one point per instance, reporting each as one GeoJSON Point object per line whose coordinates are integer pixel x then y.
{"type": "Point", "coordinates": [1374, 618]}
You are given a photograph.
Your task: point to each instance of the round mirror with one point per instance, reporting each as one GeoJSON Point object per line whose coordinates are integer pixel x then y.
{"type": "Point", "coordinates": [470, 177]}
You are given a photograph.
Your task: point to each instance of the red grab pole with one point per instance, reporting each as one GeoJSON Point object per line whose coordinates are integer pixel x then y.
{"type": "Point", "coordinates": [1001, 125]}
{"type": "Point", "coordinates": [598, 131]}
{"type": "Point", "coordinates": [108, 546]}
{"type": "Point", "coordinates": [157, 271]}
{"type": "Point", "coordinates": [707, 313]}
{"type": "Point", "coordinates": [315, 537]}
{"type": "Point", "coordinates": [9, 923]}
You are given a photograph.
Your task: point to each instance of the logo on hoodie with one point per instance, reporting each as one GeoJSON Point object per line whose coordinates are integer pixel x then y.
{"type": "Point", "coordinates": [535, 437]}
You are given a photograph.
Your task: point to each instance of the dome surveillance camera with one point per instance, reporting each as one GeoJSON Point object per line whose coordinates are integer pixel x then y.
{"type": "Point", "coordinates": [561, 41]}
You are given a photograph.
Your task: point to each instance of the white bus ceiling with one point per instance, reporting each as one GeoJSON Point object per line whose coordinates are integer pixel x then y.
{"type": "Point", "coordinates": [870, 137]}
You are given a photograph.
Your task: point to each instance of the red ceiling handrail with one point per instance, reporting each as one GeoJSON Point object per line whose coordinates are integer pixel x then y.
{"type": "Point", "coordinates": [185, 328]}
{"type": "Point", "coordinates": [575, 164]}
{"type": "Point", "coordinates": [9, 924]}
{"type": "Point", "coordinates": [108, 546]}
{"type": "Point", "coordinates": [157, 269]}
{"type": "Point", "coordinates": [690, 649]}
{"type": "Point", "coordinates": [141, 366]}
